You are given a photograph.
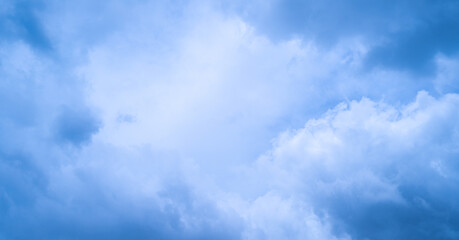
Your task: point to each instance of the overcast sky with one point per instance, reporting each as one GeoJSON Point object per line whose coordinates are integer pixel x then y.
{"type": "Point", "coordinates": [231, 119]}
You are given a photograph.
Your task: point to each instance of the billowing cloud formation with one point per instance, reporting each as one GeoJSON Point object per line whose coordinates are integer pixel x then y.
{"type": "Point", "coordinates": [376, 171]}
{"type": "Point", "coordinates": [153, 120]}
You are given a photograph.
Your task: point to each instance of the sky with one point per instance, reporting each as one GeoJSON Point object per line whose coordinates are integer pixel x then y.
{"type": "Point", "coordinates": [230, 119]}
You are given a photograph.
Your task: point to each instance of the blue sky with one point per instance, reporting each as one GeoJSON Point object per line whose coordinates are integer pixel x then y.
{"type": "Point", "coordinates": [322, 120]}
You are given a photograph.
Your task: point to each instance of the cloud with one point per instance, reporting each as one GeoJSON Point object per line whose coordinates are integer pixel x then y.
{"type": "Point", "coordinates": [76, 126]}
{"type": "Point", "coordinates": [405, 35]}
{"type": "Point", "coordinates": [377, 171]}
{"type": "Point", "coordinates": [20, 21]}
{"type": "Point", "coordinates": [416, 49]}
{"type": "Point", "coordinates": [146, 119]}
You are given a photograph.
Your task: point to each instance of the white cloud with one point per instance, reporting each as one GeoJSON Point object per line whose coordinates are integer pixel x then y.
{"type": "Point", "coordinates": [212, 87]}
{"type": "Point", "coordinates": [367, 153]}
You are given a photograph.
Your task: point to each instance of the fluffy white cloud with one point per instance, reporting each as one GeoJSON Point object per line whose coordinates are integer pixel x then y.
{"type": "Point", "coordinates": [363, 158]}
{"type": "Point", "coordinates": [215, 87]}
{"type": "Point", "coordinates": [358, 166]}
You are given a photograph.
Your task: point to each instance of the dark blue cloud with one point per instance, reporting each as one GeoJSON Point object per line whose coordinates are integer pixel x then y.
{"type": "Point", "coordinates": [21, 22]}
{"type": "Point", "coordinates": [93, 214]}
{"type": "Point", "coordinates": [415, 49]}
{"type": "Point", "coordinates": [408, 33]}
{"type": "Point", "coordinates": [429, 211]}
{"type": "Point", "coordinates": [76, 126]}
